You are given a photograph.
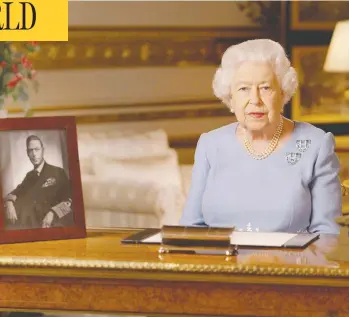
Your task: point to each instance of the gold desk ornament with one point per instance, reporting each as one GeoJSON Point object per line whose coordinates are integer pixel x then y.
{"type": "Point", "coordinates": [197, 240]}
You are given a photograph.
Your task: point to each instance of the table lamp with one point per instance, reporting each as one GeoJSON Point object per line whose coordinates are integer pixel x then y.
{"type": "Point", "coordinates": [337, 58]}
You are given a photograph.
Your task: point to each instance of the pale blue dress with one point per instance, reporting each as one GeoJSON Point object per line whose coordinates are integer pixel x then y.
{"type": "Point", "coordinates": [295, 189]}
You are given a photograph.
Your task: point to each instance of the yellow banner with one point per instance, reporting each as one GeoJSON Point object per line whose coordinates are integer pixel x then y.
{"type": "Point", "coordinates": [34, 20]}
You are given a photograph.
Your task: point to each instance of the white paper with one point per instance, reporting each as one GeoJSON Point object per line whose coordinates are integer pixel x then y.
{"type": "Point", "coordinates": [262, 239]}
{"type": "Point", "coordinates": [156, 238]}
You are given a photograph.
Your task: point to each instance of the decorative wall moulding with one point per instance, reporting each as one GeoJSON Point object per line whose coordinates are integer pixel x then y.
{"type": "Point", "coordinates": [125, 47]}
{"type": "Point", "coordinates": [134, 112]}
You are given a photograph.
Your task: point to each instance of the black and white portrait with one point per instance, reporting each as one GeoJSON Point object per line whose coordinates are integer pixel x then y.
{"type": "Point", "coordinates": [36, 186]}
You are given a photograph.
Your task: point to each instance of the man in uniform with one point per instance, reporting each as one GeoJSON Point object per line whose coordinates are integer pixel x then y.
{"type": "Point", "coordinates": [43, 199]}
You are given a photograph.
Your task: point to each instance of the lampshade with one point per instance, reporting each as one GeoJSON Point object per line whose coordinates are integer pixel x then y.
{"type": "Point", "coordinates": [337, 59]}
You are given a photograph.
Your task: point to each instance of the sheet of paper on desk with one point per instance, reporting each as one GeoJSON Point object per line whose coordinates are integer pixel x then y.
{"type": "Point", "coordinates": [156, 238]}
{"type": "Point", "coordinates": [263, 239]}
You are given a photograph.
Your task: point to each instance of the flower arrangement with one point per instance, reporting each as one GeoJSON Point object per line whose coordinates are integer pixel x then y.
{"type": "Point", "coordinates": [17, 73]}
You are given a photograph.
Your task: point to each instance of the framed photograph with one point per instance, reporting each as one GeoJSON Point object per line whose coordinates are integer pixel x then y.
{"type": "Point", "coordinates": [40, 180]}
{"type": "Point", "coordinates": [320, 96]}
{"type": "Point", "coordinates": [317, 15]}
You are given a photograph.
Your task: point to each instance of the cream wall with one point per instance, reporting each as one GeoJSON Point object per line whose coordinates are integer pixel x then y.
{"type": "Point", "coordinates": [125, 88]}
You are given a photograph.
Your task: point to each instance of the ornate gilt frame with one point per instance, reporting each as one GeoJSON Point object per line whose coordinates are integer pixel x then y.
{"type": "Point", "coordinates": [319, 52]}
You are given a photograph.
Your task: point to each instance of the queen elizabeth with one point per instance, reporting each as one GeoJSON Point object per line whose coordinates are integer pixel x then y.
{"type": "Point", "coordinates": [263, 172]}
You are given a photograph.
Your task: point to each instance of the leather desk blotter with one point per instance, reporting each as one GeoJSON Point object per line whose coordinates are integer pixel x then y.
{"type": "Point", "coordinates": [219, 237]}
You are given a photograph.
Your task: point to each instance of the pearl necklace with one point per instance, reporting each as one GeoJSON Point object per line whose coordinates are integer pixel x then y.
{"type": "Point", "coordinates": [270, 148]}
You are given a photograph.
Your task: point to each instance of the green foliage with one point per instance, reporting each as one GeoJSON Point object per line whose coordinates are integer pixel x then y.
{"type": "Point", "coordinates": [17, 73]}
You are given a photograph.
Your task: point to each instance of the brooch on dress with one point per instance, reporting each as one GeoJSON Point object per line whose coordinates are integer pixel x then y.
{"type": "Point", "coordinates": [303, 145]}
{"type": "Point", "coordinates": [293, 158]}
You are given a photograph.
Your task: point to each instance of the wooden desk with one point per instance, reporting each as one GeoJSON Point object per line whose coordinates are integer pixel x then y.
{"type": "Point", "coordinates": [98, 274]}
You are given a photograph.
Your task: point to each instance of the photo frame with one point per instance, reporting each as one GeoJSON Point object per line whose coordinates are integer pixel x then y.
{"type": "Point", "coordinates": [317, 15]}
{"type": "Point", "coordinates": [41, 189]}
{"type": "Point", "coordinates": [320, 95]}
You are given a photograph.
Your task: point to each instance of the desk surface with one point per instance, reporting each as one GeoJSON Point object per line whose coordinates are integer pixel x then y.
{"type": "Point", "coordinates": [103, 255]}
{"type": "Point", "coordinates": [98, 274]}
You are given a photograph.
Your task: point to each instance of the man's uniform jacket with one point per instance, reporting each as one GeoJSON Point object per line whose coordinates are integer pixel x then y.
{"type": "Point", "coordinates": [39, 194]}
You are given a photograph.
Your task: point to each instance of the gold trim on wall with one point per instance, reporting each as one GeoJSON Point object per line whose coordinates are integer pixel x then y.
{"type": "Point", "coordinates": [154, 115]}
{"type": "Point", "coordinates": [134, 47]}
{"type": "Point", "coordinates": [133, 112]}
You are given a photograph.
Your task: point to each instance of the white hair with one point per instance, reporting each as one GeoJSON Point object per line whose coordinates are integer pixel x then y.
{"type": "Point", "coordinates": [260, 50]}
